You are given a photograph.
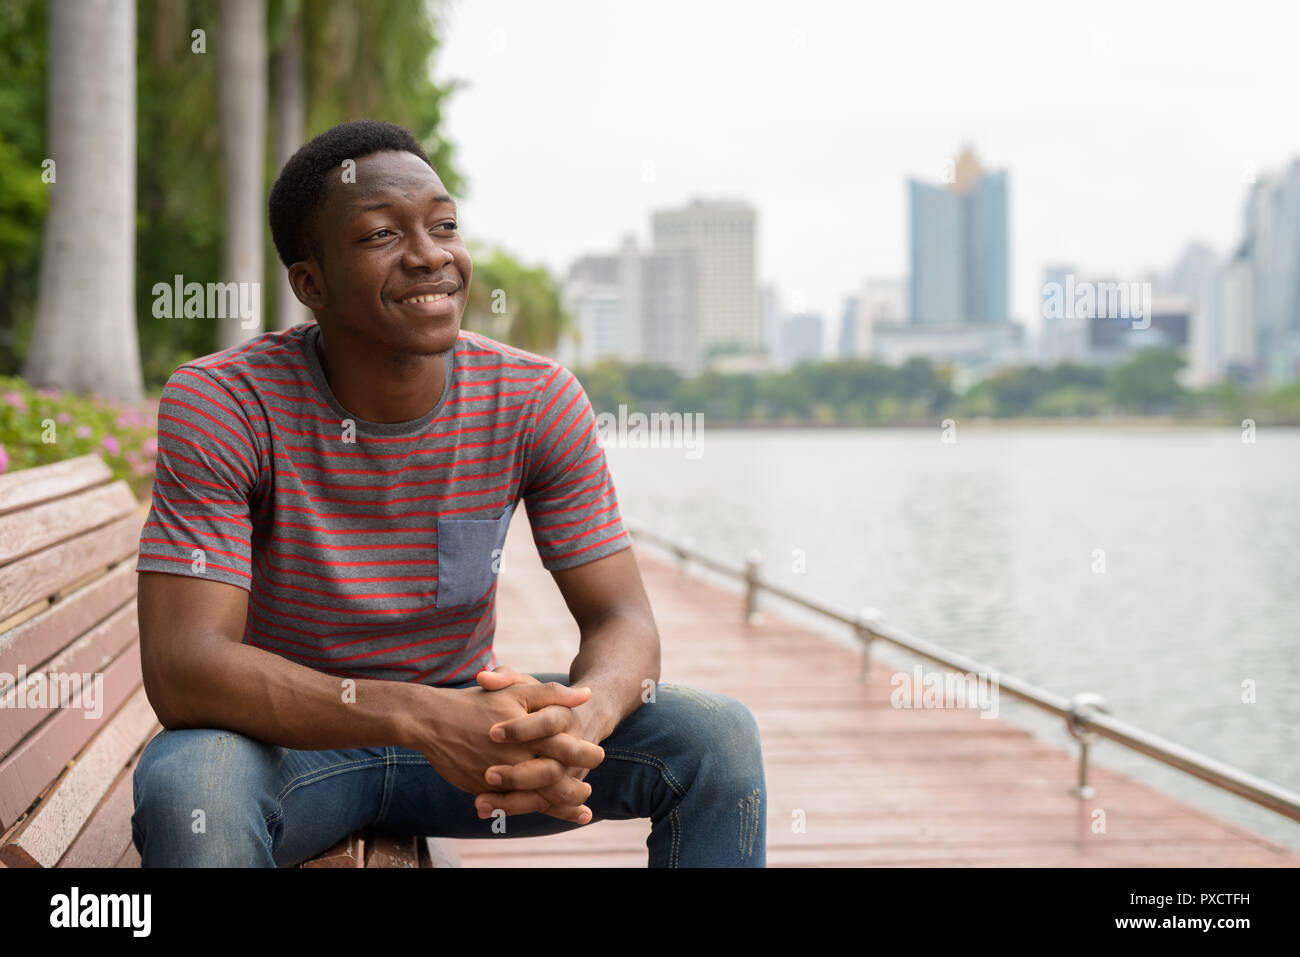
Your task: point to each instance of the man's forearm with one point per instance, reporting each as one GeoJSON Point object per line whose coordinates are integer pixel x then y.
{"type": "Point", "coordinates": [224, 684]}
{"type": "Point", "coordinates": [618, 660]}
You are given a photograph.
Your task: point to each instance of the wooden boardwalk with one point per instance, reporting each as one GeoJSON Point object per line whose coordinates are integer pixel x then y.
{"type": "Point", "coordinates": [874, 785]}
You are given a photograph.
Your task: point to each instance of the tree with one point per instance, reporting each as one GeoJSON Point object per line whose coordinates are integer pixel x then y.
{"type": "Point", "coordinates": [514, 303]}
{"type": "Point", "coordinates": [289, 108]}
{"type": "Point", "coordinates": [23, 197]}
{"type": "Point", "coordinates": [84, 339]}
{"type": "Point", "coordinates": [1147, 382]}
{"type": "Point", "coordinates": [241, 98]}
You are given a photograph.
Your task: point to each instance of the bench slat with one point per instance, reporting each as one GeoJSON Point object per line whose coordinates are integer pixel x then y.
{"type": "Point", "coordinates": [30, 579]}
{"type": "Point", "coordinates": [27, 487]}
{"type": "Point", "coordinates": [349, 852]}
{"type": "Point", "coordinates": [26, 532]}
{"type": "Point", "coordinates": [50, 830]}
{"type": "Point", "coordinates": [40, 758]}
{"type": "Point", "coordinates": [385, 850]}
{"type": "Point", "coordinates": [43, 636]}
{"type": "Point", "coordinates": [106, 836]}
{"type": "Point", "coordinates": [87, 655]}
{"type": "Point", "coordinates": [130, 857]}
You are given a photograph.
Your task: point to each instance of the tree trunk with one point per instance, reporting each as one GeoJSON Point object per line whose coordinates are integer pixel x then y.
{"type": "Point", "coordinates": [84, 339]}
{"type": "Point", "coordinates": [241, 91]}
{"type": "Point", "coordinates": [290, 130]}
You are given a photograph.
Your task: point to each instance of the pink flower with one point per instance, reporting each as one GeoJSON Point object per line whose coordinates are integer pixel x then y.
{"type": "Point", "coordinates": [129, 419]}
{"type": "Point", "coordinates": [49, 392]}
{"type": "Point", "coordinates": [151, 446]}
{"type": "Point", "coordinates": [83, 432]}
{"type": "Point", "coordinates": [64, 417]}
{"type": "Point", "coordinates": [4, 458]}
{"type": "Point", "coordinates": [111, 446]}
{"type": "Point", "coordinates": [16, 400]}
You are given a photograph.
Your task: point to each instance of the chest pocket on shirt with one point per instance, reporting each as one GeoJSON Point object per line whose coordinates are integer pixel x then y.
{"type": "Point", "coordinates": [468, 556]}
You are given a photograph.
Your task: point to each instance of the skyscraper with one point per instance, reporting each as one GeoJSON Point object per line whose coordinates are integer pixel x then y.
{"type": "Point", "coordinates": [721, 236]}
{"type": "Point", "coordinates": [1273, 241]}
{"type": "Point", "coordinates": [959, 246]}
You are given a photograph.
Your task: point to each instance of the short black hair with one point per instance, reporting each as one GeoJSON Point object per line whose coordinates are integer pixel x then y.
{"type": "Point", "coordinates": [300, 188]}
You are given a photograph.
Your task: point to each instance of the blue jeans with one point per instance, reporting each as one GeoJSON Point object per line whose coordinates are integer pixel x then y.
{"type": "Point", "coordinates": [690, 761]}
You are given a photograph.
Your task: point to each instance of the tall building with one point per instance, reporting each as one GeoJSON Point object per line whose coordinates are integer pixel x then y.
{"type": "Point", "coordinates": [1064, 337]}
{"type": "Point", "coordinates": [669, 297]}
{"type": "Point", "coordinates": [1195, 277]}
{"type": "Point", "coordinates": [882, 302]}
{"type": "Point", "coordinates": [847, 346]}
{"type": "Point", "coordinates": [594, 295]}
{"type": "Point", "coordinates": [721, 235]}
{"type": "Point", "coordinates": [801, 338]}
{"type": "Point", "coordinates": [1272, 242]}
{"type": "Point", "coordinates": [1236, 313]}
{"type": "Point", "coordinates": [958, 247]}
{"type": "Point", "coordinates": [770, 311]}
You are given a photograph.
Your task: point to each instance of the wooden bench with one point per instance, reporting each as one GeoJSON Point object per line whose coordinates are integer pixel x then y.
{"type": "Point", "coordinates": [69, 537]}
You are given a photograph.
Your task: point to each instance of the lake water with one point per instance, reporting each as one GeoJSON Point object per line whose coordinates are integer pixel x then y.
{"type": "Point", "coordinates": [1157, 567]}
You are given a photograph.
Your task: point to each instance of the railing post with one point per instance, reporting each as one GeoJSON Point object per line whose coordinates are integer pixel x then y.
{"type": "Point", "coordinates": [1079, 704]}
{"type": "Point", "coordinates": [752, 562]}
{"type": "Point", "coordinates": [684, 555]}
{"type": "Point", "coordinates": [868, 619]}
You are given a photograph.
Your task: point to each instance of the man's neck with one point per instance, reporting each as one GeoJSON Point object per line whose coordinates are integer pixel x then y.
{"type": "Point", "coordinates": [382, 387]}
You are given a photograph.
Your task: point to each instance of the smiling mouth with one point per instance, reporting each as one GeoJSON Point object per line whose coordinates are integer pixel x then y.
{"type": "Point", "coordinates": [433, 297]}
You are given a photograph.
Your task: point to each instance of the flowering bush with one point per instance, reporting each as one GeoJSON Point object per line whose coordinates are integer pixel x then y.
{"type": "Point", "coordinates": [40, 426]}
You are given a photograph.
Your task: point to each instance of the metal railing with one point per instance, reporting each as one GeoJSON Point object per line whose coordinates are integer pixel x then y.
{"type": "Point", "coordinates": [1084, 714]}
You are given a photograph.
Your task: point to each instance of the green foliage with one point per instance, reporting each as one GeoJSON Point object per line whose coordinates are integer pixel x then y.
{"type": "Point", "coordinates": [40, 426]}
{"type": "Point", "coordinates": [361, 60]}
{"type": "Point", "coordinates": [1147, 382]}
{"type": "Point", "coordinates": [858, 392]}
{"type": "Point", "coordinates": [23, 196]}
{"type": "Point", "coordinates": [514, 303]}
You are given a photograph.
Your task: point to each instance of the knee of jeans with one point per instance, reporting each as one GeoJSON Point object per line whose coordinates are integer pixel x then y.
{"type": "Point", "coordinates": [720, 725]}
{"type": "Point", "coordinates": [200, 781]}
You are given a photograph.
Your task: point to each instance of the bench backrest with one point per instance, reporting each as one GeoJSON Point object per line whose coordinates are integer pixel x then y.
{"type": "Point", "coordinates": [69, 536]}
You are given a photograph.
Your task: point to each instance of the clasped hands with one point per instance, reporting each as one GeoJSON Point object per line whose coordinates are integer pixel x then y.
{"type": "Point", "coordinates": [551, 783]}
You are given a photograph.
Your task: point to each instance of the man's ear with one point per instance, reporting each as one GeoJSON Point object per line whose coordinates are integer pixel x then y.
{"type": "Point", "coordinates": [307, 283]}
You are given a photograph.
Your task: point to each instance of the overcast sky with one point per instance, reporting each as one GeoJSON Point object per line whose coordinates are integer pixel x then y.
{"type": "Point", "coordinates": [1128, 129]}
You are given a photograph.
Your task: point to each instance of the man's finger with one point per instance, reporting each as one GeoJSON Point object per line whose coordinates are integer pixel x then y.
{"type": "Point", "coordinates": [538, 696]}
{"type": "Point", "coordinates": [529, 802]}
{"type": "Point", "coordinates": [538, 724]}
{"type": "Point", "coordinates": [503, 677]}
{"type": "Point", "coordinates": [570, 750]}
{"type": "Point", "coordinates": [525, 776]}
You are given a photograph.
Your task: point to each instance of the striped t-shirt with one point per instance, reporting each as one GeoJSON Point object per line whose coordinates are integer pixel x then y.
{"type": "Point", "coordinates": [371, 550]}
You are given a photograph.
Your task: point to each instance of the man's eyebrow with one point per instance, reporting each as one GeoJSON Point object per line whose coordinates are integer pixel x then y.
{"type": "Point", "coordinates": [441, 198]}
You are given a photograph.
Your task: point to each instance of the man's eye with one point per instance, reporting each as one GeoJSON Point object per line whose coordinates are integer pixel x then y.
{"type": "Point", "coordinates": [377, 234]}
{"type": "Point", "coordinates": [448, 225]}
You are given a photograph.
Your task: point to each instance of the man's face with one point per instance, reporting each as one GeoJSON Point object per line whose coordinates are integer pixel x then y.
{"type": "Point", "coordinates": [392, 267]}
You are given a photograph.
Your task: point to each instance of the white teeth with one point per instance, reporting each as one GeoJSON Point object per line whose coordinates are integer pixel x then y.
{"type": "Point", "coordinates": [433, 298]}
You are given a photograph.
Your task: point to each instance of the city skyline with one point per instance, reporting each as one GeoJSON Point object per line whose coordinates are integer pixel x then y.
{"type": "Point", "coordinates": [636, 137]}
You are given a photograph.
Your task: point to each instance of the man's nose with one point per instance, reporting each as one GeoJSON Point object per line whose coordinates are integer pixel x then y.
{"type": "Point", "coordinates": [425, 249]}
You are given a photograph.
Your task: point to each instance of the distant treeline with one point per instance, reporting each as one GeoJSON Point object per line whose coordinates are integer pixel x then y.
{"type": "Point", "coordinates": [863, 392]}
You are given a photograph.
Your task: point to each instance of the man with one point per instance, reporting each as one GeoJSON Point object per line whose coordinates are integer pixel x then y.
{"type": "Point", "coordinates": [318, 571]}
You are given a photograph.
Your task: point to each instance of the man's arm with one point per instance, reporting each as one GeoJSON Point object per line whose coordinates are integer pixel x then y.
{"type": "Point", "coordinates": [199, 674]}
{"type": "Point", "coordinates": [619, 642]}
{"type": "Point", "coordinates": [618, 653]}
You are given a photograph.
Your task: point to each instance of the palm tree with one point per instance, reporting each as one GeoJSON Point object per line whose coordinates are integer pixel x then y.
{"type": "Point", "coordinates": [290, 112]}
{"type": "Point", "coordinates": [84, 338]}
{"type": "Point", "coordinates": [241, 95]}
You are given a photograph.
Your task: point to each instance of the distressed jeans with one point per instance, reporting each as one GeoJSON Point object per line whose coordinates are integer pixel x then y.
{"type": "Point", "coordinates": [690, 761]}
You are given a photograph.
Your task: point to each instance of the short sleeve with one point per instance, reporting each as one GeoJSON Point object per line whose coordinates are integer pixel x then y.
{"type": "Point", "coordinates": [572, 505]}
{"type": "Point", "coordinates": [204, 477]}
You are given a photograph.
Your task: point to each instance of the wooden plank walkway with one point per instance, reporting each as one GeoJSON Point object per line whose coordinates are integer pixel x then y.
{"type": "Point", "coordinates": [876, 785]}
